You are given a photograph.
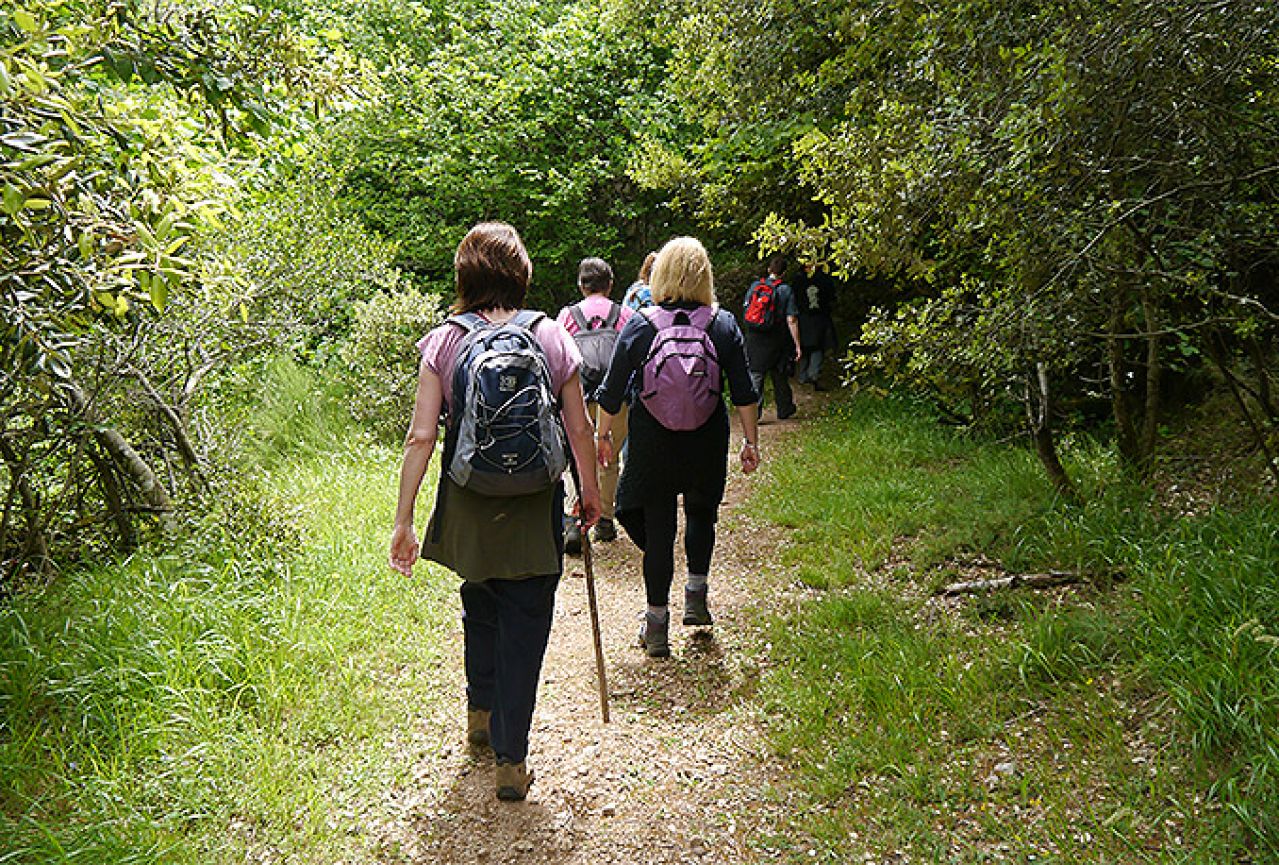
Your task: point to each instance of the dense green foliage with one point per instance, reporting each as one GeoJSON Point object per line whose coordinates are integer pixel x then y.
{"type": "Point", "coordinates": [898, 706]}
{"type": "Point", "coordinates": [524, 112]}
{"type": "Point", "coordinates": [130, 136]}
{"type": "Point", "coordinates": [1075, 201]}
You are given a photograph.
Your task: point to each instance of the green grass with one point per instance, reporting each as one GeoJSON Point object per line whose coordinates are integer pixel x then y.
{"type": "Point", "coordinates": [1141, 711]}
{"type": "Point", "coordinates": [233, 700]}
{"type": "Point", "coordinates": [871, 477]}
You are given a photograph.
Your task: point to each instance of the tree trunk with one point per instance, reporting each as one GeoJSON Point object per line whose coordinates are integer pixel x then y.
{"type": "Point", "coordinates": [34, 552]}
{"type": "Point", "coordinates": [130, 464]}
{"type": "Point", "coordinates": [1257, 352]}
{"type": "Point", "coordinates": [1039, 417]}
{"type": "Point", "coordinates": [1219, 356]}
{"type": "Point", "coordinates": [176, 425]}
{"type": "Point", "coordinates": [117, 507]}
{"type": "Point", "coordinates": [1154, 375]}
{"type": "Point", "coordinates": [1120, 396]}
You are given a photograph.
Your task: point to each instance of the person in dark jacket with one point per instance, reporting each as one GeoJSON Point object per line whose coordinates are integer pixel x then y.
{"type": "Point", "coordinates": [815, 296]}
{"type": "Point", "coordinates": [664, 464]}
{"type": "Point", "coordinates": [774, 351]}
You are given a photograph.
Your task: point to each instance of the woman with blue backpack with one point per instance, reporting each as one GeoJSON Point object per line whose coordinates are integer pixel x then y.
{"type": "Point", "coordinates": [507, 380]}
{"type": "Point", "coordinates": [670, 363]}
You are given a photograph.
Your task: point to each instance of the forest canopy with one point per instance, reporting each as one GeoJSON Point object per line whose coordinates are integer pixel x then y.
{"type": "Point", "coordinates": [1046, 216]}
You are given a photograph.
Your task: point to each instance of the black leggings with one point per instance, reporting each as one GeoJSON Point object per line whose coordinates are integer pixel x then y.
{"type": "Point", "coordinates": [653, 530]}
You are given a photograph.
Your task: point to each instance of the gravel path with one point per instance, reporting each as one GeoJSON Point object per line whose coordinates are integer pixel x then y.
{"type": "Point", "coordinates": [680, 775]}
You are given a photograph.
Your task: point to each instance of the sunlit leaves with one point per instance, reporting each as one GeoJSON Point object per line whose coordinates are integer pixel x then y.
{"type": "Point", "coordinates": [528, 112]}
{"type": "Point", "coordinates": [26, 21]}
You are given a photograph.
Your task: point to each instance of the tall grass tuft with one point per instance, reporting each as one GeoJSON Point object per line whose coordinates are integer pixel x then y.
{"type": "Point", "coordinates": [286, 410]}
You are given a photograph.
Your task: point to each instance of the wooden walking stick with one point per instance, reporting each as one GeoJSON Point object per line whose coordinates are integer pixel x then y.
{"type": "Point", "coordinates": [595, 622]}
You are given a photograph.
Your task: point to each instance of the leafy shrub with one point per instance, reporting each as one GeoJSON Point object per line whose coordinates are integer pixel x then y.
{"type": "Point", "coordinates": [381, 358]}
{"type": "Point", "coordinates": [296, 264]}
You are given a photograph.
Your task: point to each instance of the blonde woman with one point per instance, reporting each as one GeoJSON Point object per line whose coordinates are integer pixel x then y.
{"type": "Point", "coordinates": [672, 454]}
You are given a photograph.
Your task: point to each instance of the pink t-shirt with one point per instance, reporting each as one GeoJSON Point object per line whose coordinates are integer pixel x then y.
{"type": "Point", "coordinates": [593, 306]}
{"type": "Point", "coordinates": [439, 347]}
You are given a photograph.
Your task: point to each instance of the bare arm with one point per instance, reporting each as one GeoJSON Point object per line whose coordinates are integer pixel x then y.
{"type": "Point", "coordinates": [419, 445]}
{"type": "Point", "coordinates": [792, 322]}
{"type": "Point", "coordinates": [749, 416]}
{"type": "Point", "coordinates": [581, 437]}
{"type": "Point", "coordinates": [605, 437]}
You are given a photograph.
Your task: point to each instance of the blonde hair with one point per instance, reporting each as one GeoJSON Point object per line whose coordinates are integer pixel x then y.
{"type": "Point", "coordinates": [683, 272]}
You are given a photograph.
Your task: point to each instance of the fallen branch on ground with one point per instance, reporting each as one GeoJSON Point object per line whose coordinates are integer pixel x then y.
{"type": "Point", "coordinates": [1033, 581]}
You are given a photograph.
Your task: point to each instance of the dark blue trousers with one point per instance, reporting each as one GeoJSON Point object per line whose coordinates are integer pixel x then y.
{"type": "Point", "coordinates": [506, 624]}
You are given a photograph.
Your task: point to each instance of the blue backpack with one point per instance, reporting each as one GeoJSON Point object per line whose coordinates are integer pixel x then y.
{"type": "Point", "coordinates": [505, 435]}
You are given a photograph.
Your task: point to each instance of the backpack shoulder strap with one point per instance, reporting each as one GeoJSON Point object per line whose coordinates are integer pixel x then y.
{"type": "Point", "coordinates": [575, 313]}
{"type": "Point", "coordinates": [654, 315]}
{"type": "Point", "coordinates": [468, 321]}
{"type": "Point", "coordinates": [527, 319]}
{"type": "Point", "coordinates": [614, 313]}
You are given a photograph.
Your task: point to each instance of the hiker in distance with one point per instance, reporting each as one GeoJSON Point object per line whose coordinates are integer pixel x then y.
{"type": "Point", "coordinates": [498, 518]}
{"type": "Point", "coordinates": [771, 318]}
{"type": "Point", "coordinates": [671, 363]}
{"type": "Point", "coordinates": [816, 301]}
{"type": "Point", "coordinates": [639, 295]}
{"type": "Point", "coordinates": [594, 322]}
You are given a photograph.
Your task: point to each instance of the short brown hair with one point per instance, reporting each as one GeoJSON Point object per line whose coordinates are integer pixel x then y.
{"type": "Point", "coordinates": [492, 267]}
{"type": "Point", "coordinates": [595, 276]}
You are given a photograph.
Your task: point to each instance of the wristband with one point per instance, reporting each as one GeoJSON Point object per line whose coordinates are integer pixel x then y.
{"type": "Point", "coordinates": [607, 437]}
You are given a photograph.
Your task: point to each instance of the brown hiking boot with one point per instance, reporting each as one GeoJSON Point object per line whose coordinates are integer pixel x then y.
{"type": "Point", "coordinates": [477, 727]}
{"type": "Point", "coordinates": [513, 781]}
{"type": "Point", "coordinates": [605, 530]}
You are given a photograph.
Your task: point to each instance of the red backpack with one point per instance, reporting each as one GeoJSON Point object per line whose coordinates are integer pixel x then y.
{"type": "Point", "coordinates": [761, 303]}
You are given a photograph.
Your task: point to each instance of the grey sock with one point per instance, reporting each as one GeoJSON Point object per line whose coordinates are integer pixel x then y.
{"type": "Point", "coordinates": [660, 613]}
{"type": "Point", "coordinates": [696, 582]}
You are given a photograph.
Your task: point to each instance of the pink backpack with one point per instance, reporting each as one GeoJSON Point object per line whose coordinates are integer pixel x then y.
{"type": "Point", "coordinates": [681, 375]}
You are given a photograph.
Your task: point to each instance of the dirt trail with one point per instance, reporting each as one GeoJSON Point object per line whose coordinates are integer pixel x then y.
{"type": "Point", "coordinates": [681, 775]}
